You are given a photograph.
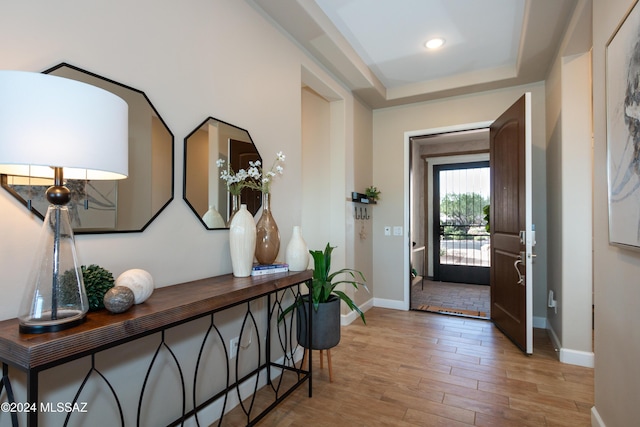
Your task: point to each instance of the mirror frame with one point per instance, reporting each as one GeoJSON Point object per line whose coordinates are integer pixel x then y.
{"type": "Point", "coordinates": [4, 180]}
{"type": "Point", "coordinates": [222, 187]}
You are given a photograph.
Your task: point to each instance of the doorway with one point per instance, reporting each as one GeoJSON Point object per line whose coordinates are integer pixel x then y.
{"type": "Point", "coordinates": [441, 280]}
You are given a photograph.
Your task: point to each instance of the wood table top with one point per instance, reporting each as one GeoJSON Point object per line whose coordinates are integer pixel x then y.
{"type": "Point", "coordinates": [167, 306]}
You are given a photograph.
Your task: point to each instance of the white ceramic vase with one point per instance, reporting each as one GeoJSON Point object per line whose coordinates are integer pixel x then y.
{"type": "Point", "coordinates": [242, 242]}
{"type": "Point", "coordinates": [297, 253]}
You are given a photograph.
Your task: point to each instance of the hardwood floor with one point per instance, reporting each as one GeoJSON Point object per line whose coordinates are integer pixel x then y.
{"type": "Point", "coordinates": [423, 369]}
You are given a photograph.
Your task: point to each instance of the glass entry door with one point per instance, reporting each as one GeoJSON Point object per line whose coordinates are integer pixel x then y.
{"type": "Point", "coordinates": [461, 212]}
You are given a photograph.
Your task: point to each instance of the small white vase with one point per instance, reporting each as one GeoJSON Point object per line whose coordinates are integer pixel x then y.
{"type": "Point", "coordinates": [297, 253]}
{"type": "Point", "coordinates": [213, 219]}
{"type": "Point", "coordinates": [242, 242]}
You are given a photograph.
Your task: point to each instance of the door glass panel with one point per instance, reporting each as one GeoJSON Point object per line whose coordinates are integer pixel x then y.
{"type": "Point", "coordinates": [464, 200]}
{"type": "Point", "coordinates": [462, 235]}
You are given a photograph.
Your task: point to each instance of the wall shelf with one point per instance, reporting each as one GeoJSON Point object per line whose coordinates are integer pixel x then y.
{"type": "Point", "coordinates": [362, 198]}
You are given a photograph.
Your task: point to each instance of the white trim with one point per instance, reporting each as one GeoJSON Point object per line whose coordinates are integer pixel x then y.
{"type": "Point", "coordinates": [555, 341]}
{"type": "Point", "coordinates": [577, 357]}
{"type": "Point", "coordinates": [529, 226]}
{"type": "Point", "coordinates": [346, 319]}
{"type": "Point", "coordinates": [211, 413]}
{"type": "Point", "coordinates": [406, 245]}
{"type": "Point", "coordinates": [569, 356]}
{"type": "Point", "coordinates": [540, 322]}
{"type": "Point", "coordinates": [596, 421]}
{"type": "Point", "coordinates": [390, 303]}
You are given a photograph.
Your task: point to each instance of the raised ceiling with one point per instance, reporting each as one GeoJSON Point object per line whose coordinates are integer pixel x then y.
{"type": "Point", "coordinates": [376, 47]}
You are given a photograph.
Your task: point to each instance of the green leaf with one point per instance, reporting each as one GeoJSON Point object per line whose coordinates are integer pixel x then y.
{"type": "Point", "coordinates": [322, 285]}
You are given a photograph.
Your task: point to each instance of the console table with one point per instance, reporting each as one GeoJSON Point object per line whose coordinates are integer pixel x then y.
{"type": "Point", "coordinates": [166, 308]}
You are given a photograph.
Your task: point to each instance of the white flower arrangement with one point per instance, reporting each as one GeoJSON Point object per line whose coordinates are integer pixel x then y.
{"type": "Point", "coordinates": [236, 181]}
{"type": "Point", "coordinates": [253, 177]}
{"type": "Point", "coordinates": [261, 179]}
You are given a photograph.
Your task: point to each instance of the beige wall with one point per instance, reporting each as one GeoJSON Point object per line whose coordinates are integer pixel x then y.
{"type": "Point", "coordinates": [182, 56]}
{"type": "Point", "coordinates": [569, 165]}
{"type": "Point", "coordinates": [325, 160]}
{"type": "Point", "coordinates": [616, 271]}
{"type": "Point", "coordinates": [172, 51]}
{"type": "Point", "coordinates": [389, 127]}
{"type": "Point", "coordinates": [315, 158]}
{"type": "Point", "coordinates": [363, 178]}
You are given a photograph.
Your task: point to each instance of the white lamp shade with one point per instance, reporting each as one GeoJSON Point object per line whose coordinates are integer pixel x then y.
{"type": "Point", "coordinates": [48, 121]}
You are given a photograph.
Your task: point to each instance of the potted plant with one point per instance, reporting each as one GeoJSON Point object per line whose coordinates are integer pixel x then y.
{"type": "Point", "coordinates": [372, 193]}
{"type": "Point", "coordinates": [325, 299]}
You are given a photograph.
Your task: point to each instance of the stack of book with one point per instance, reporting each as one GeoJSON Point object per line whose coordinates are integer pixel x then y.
{"type": "Point", "coordinates": [259, 269]}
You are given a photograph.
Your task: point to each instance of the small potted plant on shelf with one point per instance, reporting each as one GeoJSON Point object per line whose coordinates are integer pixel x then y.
{"type": "Point", "coordinates": [325, 299]}
{"type": "Point", "coordinates": [372, 193]}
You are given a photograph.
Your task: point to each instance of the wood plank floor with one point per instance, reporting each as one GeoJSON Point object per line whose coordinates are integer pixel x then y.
{"type": "Point", "coordinates": [423, 369]}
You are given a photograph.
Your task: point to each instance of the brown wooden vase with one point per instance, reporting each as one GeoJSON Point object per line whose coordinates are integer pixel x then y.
{"type": "Point", "coordinates": [268, 236]}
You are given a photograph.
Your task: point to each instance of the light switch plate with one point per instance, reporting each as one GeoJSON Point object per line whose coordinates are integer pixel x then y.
{"type": "Point", "coordinates": [397, 230]}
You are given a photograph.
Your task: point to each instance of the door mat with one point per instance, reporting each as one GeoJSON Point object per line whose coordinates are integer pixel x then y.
{"type": "Point", "coordinates": [454, 311]}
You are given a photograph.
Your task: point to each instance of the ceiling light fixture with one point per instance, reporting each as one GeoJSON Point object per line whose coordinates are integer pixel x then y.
{"type": "Point", "coordinates": [434, 43]}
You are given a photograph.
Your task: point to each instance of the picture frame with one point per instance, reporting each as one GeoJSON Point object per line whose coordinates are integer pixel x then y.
{"type": "Point", "coordinates": [622, 55]}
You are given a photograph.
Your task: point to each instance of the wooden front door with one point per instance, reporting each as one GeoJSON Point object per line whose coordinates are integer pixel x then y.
{"type": "Point", "coordinates": [512, 236]}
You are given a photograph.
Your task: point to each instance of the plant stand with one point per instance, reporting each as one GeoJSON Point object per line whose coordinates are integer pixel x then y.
{"type": "Point", "coordinates": [304, 361]}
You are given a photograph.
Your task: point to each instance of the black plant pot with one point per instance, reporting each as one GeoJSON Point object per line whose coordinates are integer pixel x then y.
{"type": "Point", "coordinates": [325, 324]}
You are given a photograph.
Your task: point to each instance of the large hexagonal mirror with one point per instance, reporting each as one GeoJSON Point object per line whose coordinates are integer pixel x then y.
{"type": "Point", "coordinates": [126, 205]}
{"type": "Point", "coordinates": [204, 191]}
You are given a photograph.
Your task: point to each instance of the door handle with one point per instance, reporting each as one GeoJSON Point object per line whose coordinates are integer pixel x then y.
{"type": "Point", "coordinates": [521, 276]}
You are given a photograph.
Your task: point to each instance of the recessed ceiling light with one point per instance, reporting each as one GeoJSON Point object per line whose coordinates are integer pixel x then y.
{"type": "Point", "coordinates": [434, 43]}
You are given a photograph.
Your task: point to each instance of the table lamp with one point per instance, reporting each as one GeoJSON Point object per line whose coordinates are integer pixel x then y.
{"type": "Point", "coordinates": [58, 128]}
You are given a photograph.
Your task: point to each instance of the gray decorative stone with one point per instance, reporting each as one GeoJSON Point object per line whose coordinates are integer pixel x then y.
{"type": "Point", "coordinates": [118, 299]}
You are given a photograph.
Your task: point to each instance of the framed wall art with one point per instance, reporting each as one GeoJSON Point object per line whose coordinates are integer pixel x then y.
{"type": "Point", "coordinates": [623, 130]}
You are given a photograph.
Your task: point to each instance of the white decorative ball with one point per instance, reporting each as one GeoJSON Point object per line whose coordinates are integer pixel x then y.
{"type": "Point", "coordinates": [139, 281]}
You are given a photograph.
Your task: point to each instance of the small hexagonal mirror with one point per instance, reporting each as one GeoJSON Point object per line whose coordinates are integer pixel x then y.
{"type": "Point", "coordinates": [204, 191]}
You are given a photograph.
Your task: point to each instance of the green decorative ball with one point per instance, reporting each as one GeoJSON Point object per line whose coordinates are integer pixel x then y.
{"type": "Point", "coordinates": [97, 281]}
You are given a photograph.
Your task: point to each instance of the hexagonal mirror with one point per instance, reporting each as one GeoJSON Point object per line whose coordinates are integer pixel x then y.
{"type": "Point", "coordinates": [126, 205]}
{"type": "Point", "coordinates": [204, 191]}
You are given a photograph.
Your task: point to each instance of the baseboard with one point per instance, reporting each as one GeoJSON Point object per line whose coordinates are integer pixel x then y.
{"type": "Point", "coordinates": [555, 341]}
{"type": "Point", "coordinates": [211, 413]}
{"type": "Point", "coordinates": [577, 357]}
{"type": "Point", "coordinates": [390, 303]}
{"type": "Point", "coordinates": [539, 322]}
{"type": "Point", "coordinates": [596, 421]}
{"type": "Point", "coordinates": [569, 356]}
{"type": "Point", "coordinates": [346, 319]}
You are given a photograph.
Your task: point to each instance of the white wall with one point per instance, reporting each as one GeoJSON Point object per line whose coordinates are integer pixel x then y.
{"type": "Point", "coordinates": [193, 59]}
{"type": "Point", "coordinates": [616, 271]}
{"type": "Point", "coordinates": [389, 127]}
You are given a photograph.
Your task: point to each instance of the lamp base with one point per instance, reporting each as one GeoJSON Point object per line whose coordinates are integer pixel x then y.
{"type": "Point", "coordinates": [40, 326]}
{"type": "Point", "coordinates": [55, 298]}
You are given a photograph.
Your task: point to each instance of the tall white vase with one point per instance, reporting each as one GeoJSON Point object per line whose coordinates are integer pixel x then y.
{"type": "Point", "coordinates": [242, 242]}
{"type": "Point", "coordinates": [297, 253]}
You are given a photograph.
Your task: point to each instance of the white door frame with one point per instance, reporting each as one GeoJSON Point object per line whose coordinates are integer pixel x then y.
{"type": "Point", "coordinates": [407, 196]}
